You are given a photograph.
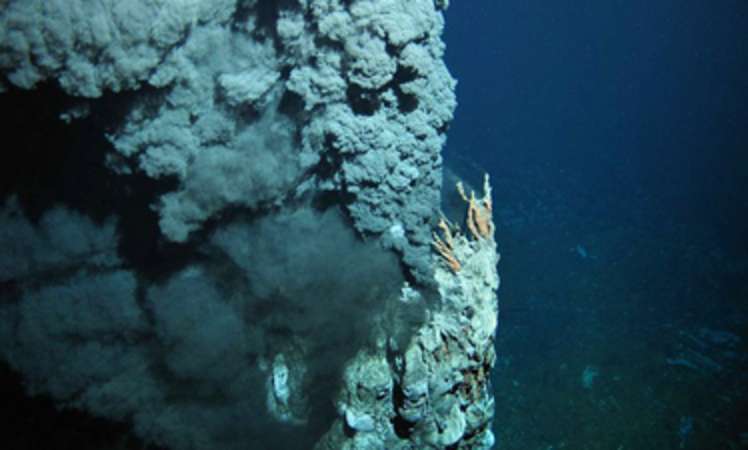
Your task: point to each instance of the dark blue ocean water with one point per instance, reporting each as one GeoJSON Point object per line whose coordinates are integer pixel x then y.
{"type": "Point", "coordinates": [616, 134]}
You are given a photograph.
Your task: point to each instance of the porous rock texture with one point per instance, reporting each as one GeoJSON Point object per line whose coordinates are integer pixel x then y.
{"type": "Point", "coordinates": [436, 392]}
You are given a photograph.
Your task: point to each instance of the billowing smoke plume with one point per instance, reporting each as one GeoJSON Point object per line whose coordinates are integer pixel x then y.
{"type": "Point", "coordinates": [213, 204]}
{"type": "Point", "coordinates": [186, 357]}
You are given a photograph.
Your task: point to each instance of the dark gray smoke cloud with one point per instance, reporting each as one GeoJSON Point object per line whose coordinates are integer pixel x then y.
{"type": "Point", "coordinates": [185, 358]}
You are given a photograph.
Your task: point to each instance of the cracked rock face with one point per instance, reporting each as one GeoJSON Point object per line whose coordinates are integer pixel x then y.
{"type": "Point", "coordinates": [436, 392]}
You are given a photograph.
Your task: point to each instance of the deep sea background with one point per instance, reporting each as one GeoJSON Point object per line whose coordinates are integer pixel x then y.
{"type": "Point", "coordinates": [616, 135]}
